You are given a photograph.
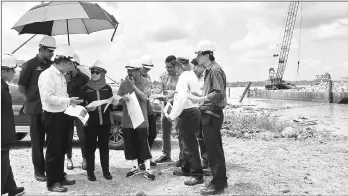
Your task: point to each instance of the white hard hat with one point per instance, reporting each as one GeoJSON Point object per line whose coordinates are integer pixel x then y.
{"type": "Point", "coordinates": [98, 64]}
{"type": "Point", "coordinates": [146, 61]}
{"type": "Point", "coordinates": [76, 58]}
{"type": "Point", "coordinates": [66, 51]}
{"type": "Point", "coordinates": [49, 42]}
{"type": "Point", "coordinates": [8, 60]}
{"type": "Point", "coordinates": [204, 45]}
{"type": "Point", "coordinates": [134, 64]}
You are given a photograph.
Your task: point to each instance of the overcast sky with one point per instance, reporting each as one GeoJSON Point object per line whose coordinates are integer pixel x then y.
{"type": "Point", "coordinates": [245, 34]}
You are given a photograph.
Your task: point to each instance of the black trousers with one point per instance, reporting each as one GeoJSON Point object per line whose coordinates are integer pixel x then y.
{"type": "Point", "coordinates": [8, 183]}
{"type": "Point", "coordinates": [37, 136]}
{"type": "Point", "coordinates": [202, 146]}
{"type": "Point", "coordinates": [57, 129]}
{"type": "Point", "coordinates": [211, 126]}
{"type": "Point", "coordinates": [188, 125]}
{"type": "Point", "coordinates": [97, 135]}
{"type": "Point", "coordinates": [136, 144]}
{"type": "Point", "coordinates": [80, 133]}
{"type": "Point", "coordinates": [152, 129]}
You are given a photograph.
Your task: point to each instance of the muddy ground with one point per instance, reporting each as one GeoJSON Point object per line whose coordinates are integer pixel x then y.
{"type": "Point", "coordinates": [279, 167]}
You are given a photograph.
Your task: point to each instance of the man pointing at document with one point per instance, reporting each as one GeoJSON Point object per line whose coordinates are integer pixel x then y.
{"type": "Point", "coordinates": [55, 100]}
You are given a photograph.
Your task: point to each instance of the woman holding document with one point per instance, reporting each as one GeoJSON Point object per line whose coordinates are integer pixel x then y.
{"type": "Point", "coordinates": [188, 121]}
{"type": "Point", "coordinates": [99, 122]}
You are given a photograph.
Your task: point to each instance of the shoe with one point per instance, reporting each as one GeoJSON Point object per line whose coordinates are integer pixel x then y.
{"type": "Point", "coordinates": [57, 187]}
{"type": "Point", "coordinates": [69, 164]}
{"type": "Point", "coordinates": [149, 175]}
{"type": "Point", "coordinates": [163, 159]}
{"type": "Point", "coordinates": [40, 177]}
{"type": "Point", "coordinates": [84, 164]}
{"type": "Point", "coordinates": [180, 172]}
{"type": "Point", "coordinates": [179, 163]}
{"type": "Point", "coordinates": [67, 182]}
{"type": "Point", "coordinates": [92, 178]}
{"type": "Point", "coordinates": [205, 165]}
{"type": "Point", "coordinates": [153, 164]}
{"type": "Point", "coordinates": [17, 192]}
{"type": "Point", "coordinates": [142, 166]}
{"type": "Point", "coordinates": [133, 172]}
{"type": "Point", "coordinates": [210, 185]}
{"type": "Point", "coordinates": [211, 191]}
{"type": "Point", "coordinates": [194, 181]}
{"type": "Point", "coordinates": [108, 176]}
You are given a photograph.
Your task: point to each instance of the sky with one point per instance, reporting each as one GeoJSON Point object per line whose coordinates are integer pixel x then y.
{"type": "Point", "coordinates": [245, 34]}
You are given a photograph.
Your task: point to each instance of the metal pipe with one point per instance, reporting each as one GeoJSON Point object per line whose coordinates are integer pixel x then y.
{"type": "Point", "coordinates": [23, 44]}
{"type": "Point", "coordinates": [67, 27]}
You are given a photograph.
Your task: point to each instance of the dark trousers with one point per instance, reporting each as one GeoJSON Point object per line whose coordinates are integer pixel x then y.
{"type": "Point", "coordinates": [202, 146]}
{"type": "Point", "coordinates": [8, 183]}
{"type": "Point", "coordinates": [211, 126]}
{"type": "Point", "coordinates": [152, 129]}
{"type": "Point", "coordinates": [80, 133]}
{"type": "Point", "coordinates": [136, 145]}
{"type": "Point", "coordinates": [167, 137]}
{"type": "Point", "coordinates": [57, 129]}
{"type": "Point", "coordinates": [97, 135]}
{"type": "Point", "coordinates": [188, 125]}
{"type": "Point", "coordinates": [37, 136]}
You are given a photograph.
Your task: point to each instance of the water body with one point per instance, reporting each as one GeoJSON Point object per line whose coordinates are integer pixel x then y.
{"type": "Point", "coordinates": [330, 117]}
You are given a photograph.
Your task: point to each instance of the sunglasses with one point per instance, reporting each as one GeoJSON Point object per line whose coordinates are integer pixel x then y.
{"type": "Point", "coordinates": [94, 71]}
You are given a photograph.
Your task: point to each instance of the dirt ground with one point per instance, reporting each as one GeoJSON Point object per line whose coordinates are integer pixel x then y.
{"type": "Point", "coordinates": [255, 167]}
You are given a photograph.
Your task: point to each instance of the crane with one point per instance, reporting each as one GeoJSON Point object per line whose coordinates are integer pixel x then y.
{"type": "Point", "coordinates": [275, 80]}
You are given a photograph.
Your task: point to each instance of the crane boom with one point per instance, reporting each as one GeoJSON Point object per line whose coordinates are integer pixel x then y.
{"type": "Point", "coordinates": [286, 41]}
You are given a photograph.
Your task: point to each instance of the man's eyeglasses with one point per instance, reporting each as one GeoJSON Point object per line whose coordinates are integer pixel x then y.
{"type": "Point", "coordinates": [94, 71]}
{"type": "Point", "coordinates": [171, 67]}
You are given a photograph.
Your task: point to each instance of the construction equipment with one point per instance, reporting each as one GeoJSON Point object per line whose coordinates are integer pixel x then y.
{"type": "Point", "coordinates": [275, 80]}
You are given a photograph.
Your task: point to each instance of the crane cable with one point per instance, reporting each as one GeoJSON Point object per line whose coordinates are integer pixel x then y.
{"type": "Point", "coordinates": [299, 44]}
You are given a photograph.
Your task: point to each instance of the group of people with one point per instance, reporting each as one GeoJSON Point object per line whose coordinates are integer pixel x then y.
{"type": "Point", "coordinates": [196, 90]}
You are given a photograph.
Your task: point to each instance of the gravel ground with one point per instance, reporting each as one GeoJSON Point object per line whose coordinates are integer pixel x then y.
{"type": "Point", "coordinates": [255, 167]}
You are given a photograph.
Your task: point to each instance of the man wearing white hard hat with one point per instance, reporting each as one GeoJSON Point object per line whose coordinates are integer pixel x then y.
{"type": "Point", "coordinates": [212, 103]}
{"type": "Point", "coordinates": [76, 79]}
{"type": "Point", "coordinates": [27, 85]}
{"type": "Point", "coordinates": [8, 129]}
{"type": "Point", "coordinates": [147, 65]}
{"type": "Point", "coordinates": [136, 138]}
{"type": "Point", "coordinates": [55, 100]}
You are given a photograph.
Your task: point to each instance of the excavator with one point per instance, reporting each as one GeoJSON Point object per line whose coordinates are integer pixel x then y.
{"type": "Point", "coordinates": [275, 80]}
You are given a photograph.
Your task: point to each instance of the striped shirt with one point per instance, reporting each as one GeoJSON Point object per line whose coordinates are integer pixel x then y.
{"type": "Point", "coordinates": [214, 88]}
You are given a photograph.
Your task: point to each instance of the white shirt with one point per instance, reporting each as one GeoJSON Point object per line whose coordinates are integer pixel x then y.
{"type": "Point", "coordinates": [53, 90]}
{"type": "Point", "coordinates": [201, 82]}
{"type": "Point", "coordinates": [187, 83]}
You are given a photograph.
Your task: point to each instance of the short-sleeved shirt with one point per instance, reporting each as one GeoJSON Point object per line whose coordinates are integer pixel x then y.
{"type": "Point", "coordinates": [28, 78]}
{"type": "Point", "coordinates": [168, 82]}
{"type": "Point", "coordinates": [145, 86]}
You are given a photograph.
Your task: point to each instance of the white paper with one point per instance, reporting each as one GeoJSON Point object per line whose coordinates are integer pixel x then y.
{"type": "Point", "coordinates": [98, 103]}
{"type": "Point", "coordinates": [79, 112]}
{"type": "Point", "coordinates": [117, 97]}
{"type": "Point", "coordinates": [167, 109]}
{"type": "Point", "coordinates": [134, 111]}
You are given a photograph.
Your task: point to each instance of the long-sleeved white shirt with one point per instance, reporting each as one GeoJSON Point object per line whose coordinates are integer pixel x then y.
{"type": "Point", "coordinates": [187, 83]}
{"type": "Point", "coordinates": [53, 90]}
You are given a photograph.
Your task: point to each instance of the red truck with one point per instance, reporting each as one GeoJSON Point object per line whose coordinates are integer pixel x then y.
{"type": "Point", "coordinates": [116, 141]}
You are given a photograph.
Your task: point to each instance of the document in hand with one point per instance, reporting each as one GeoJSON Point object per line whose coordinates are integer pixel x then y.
{"type": "Point", "coordinates": [79, 112]}
{"type": "Point", "coordinates": [167, 109]}
{"type": "Point", "coordinates": [98, 103]}
{"type": "Point", "coordinates": [134, 111]}
{"type": "Point", "coordinates": [117, 97]}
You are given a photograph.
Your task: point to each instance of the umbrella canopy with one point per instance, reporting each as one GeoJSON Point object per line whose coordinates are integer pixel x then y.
{"type": "Point", "coordinates": [61, 18]}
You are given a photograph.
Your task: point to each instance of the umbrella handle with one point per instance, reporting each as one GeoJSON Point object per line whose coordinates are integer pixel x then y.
{"type": "Point", "coordinates": [112, 38]}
